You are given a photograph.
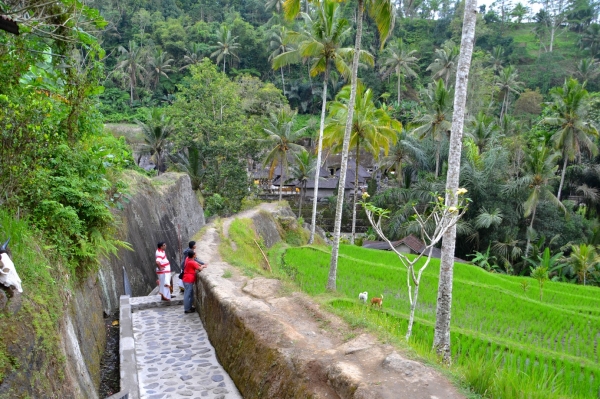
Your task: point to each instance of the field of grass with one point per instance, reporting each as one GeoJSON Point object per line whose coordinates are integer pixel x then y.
{"type": "Point", "coordinates": [565, 41]}
{"type": "Point", "coordinates": [507, 342]}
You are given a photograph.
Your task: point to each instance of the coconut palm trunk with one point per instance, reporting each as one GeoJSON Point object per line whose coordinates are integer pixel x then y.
{"type": "Point", "coordinates": [319, 154]}
{"type": "Point", "coordinates": [302, 192]}
{"type": "Point", "coordinates": [281, 179]}
{"type": "Point", "coordinates": [562, 175]}
{"type": "Point", "coordinates": [355, 193]}
{"type": "Point", "coordinates": [530, 229]}
{"type": "Point", "coordinates": [438, 149]}
{"type": "Point", "coordinates": [331, 281]}
{"type": "Point", "coordinates": [441, 340]}
{"type": "Point", "coordinates": [399, 85]}
{"type": "Point", "coordinates": [282, 81]}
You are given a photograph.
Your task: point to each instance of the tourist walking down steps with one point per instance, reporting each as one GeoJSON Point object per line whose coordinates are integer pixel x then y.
{"type": "Point", "coordinates": [163, 270]}
{"type": "Point", "coordinates": [191, 265]}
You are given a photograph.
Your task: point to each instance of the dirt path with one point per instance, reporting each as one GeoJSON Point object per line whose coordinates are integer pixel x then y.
{"type": "Point", "coordinates": [336, 362]}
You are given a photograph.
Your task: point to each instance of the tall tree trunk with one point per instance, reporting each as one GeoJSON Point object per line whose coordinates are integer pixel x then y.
{"type": "Point", "coordinates": [223, 64]}
{"type": "Point", "coordinates": [281, 179]}
{"type": "Point", "coordinates": [441, 340]}
{"type": "Point", "coordinates": [562, 175]}
{"type": "Point", "coordinates": [399, 86]}
{"type": "Point", "coordinates": [400, 173]}
{"type": "Point", "coordinates": [300, 205]}
{"type": "Point", "coordinates": [302, 190]}
{"type": "Point", "coordinates": [131, 84]}
{"type": "Point", "coordinates": [331, 280]}
{"type": "Point", "coordinates": [529, 232]}
{"type": "Point", "coordinates": [319, 154]}
{"type": "Point", "coordinates": [282, 81]}
{"type": "Point", "coordinates": [437, 158]}
{"type": "Point", "coordinates": [357, 163]}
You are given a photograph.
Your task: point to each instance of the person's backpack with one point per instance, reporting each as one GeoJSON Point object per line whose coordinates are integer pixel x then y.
{"type": "Point", "coordinates": [182, 266]}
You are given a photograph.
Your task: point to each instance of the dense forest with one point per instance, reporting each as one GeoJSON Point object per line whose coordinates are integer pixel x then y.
{"type": "Point", "coordinates": [530, 147]}
{"type": "Point", "coordinates": [220, 88]}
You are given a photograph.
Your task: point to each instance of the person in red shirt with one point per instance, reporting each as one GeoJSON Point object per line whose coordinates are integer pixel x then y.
{"type": "Point", "coordinates": [189, 279]}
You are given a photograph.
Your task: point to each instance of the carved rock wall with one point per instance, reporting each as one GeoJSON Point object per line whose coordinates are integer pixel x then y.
{"type": "Point", "coordinates": [164, 208]}
{"type": "Point", "coordinates": [160, 209]}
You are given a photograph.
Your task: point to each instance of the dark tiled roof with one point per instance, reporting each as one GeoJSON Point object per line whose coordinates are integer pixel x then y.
{"type": "Point", "coordinates": [323, 183]}
{"type": "Point", "coordinates": [410, 241]}
{"type": "Point", "coordinates": [379, 244]}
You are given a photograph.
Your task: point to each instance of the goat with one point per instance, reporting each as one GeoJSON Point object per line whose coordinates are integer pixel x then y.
{"type": "Point", "coordinates": [377, 301]}
{"type": "Point", "coordinates": [363, 297]}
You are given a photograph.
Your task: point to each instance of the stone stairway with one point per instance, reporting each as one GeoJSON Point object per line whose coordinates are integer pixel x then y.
{"type": "Point", "coordinates": [166, 353]}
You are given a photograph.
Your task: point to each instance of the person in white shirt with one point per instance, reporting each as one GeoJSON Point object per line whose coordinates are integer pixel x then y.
{"type": "Point", "coordinates": [163, 270]}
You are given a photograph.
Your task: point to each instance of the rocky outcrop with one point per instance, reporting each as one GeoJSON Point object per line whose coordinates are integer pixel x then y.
{"type": "Point", "coordinates": [160, 209]}
{"type": "Point", "coordinates": [164, 208]}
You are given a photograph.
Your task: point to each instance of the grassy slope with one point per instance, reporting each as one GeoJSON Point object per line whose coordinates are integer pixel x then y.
{"type": "Point", "coordinates": [491, 314]}
{"type": "Point", "coordinates": [565, 43]}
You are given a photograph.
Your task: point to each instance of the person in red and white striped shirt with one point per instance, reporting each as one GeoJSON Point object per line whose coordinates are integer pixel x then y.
{"type": "Point", "coordinates": [163, 270]}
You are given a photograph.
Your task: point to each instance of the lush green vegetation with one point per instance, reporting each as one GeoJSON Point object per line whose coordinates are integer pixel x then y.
{"type": "Point", "coordinates": [544, 350]}
{"type": "Point", "coordinates": [59, 178]}
{"type": "Point", "coordinates": [218, 75]}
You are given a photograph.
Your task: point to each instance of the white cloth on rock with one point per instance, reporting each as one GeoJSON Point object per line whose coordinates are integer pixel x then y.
{"type": "Point", "coordinates": [8, 273]}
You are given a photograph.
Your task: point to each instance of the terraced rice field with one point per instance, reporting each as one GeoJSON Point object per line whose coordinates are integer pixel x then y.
{"type": "Point", "coordinates": [553, 343]}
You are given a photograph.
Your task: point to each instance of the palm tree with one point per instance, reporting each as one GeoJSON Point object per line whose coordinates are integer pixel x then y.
{"type": "Point", "coordinates": [130, 62]}
{"type": "Point", "coordinates": [441, 339]}
{"type": "Point", "coordinates": [519, 12]}
{"type": "Point", "coordinates": [156, 134]}
{"type": "Point", "coordinates": [382, 11]}
{"type": "Point", "coordinates": [507, 83]}
{"type": "Point", "coordinates": [497, 58]}
{"type": "Point", "coordinates": [303, 170]}
{"type": "Point", "coordinates": [276, 4]}
{"type": "Point", "coordinates": [279, 46]}
{"type": "Point", "coordinates": [193, 56]}
{"type": "Point", "coordinates": [583, 260]}
{"type": "Point", "coordinates": [590, 39]}
{"type": "Point", "coordinates": [159, 65]}
{"type": "Point", "coordinates": [282, 138]}
{"type": "Point", "coordinates": [190, 162]}
{"type": "Point", "coordinates": [406, 151]}
{"type": "Point", "coordinates": [436, 121]}
{"type": "Point", "coordinates": [400, 61]}
{"type": "Point", "coordinates": [540, 169]}
{"type": "Point", "coordinates": [227, 46]}
{"type": "Point", "coordinates": [482, 130]}
{"type": "Point", "coordinates": [587, 68]}
{"type": "Point", "coordinates": [321, 42]}
{"type": "Point", "coordinates": [372, 127]}
{"type": "Point", "coordinates": [444, 65]}
{"type": "Point", "coordinates": [569, 111]}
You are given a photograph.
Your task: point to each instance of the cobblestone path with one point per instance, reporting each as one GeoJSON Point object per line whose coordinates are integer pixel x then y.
{"type": "Point", "coordinates": [175, 358]}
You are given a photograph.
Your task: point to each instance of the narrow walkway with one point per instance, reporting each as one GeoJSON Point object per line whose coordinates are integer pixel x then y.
{"type": "Point", "coordinates": [174, 357]}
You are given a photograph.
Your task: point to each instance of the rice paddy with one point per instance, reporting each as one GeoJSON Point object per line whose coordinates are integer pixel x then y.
{"type": "Point", "coordinates": [508, 342]}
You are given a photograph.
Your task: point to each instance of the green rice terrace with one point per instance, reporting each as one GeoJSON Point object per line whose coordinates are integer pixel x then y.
{"type": "Point", "coordinates": [506, 342]}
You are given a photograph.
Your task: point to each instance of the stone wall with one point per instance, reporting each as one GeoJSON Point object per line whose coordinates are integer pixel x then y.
{"type": "Point", "coordinates": [247, 342]}
{"type": "Point", "coordinates": [164, 208]}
